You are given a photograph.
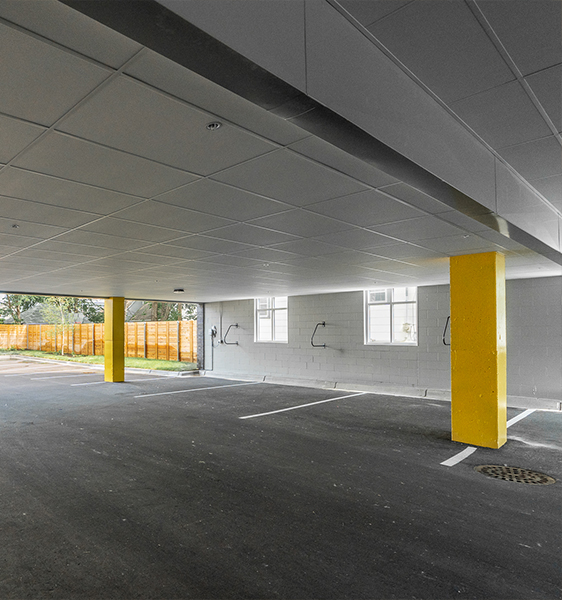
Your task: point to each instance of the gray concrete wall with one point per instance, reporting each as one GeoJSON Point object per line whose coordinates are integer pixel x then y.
{"type": "Point", "coordinates": [534, 327]}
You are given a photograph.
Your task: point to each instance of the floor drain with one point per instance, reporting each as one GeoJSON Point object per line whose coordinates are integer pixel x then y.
{"type": "Point", "coordinates": [515, 474]}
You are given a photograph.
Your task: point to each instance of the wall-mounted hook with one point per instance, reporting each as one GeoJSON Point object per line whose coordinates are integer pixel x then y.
{"type": "Point", "coordinates": [323, 323]}
{"type": "Point", "coordinates": [224, 338]}
{"type": "Point", "coordinates": [445, 331]}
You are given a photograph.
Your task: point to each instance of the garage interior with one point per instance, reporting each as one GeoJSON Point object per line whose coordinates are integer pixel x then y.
{"type": "Point", "coordinates": [311, 163]}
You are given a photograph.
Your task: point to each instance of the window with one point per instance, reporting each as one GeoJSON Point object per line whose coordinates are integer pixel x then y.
{"type": "Point", "coordinates": [272, 319]}
{"type": "Point", "coordinates": [391, 316]}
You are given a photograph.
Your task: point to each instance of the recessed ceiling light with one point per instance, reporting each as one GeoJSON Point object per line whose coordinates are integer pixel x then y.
{"type": "Point", "coordinates": [266, 264]}
{"type": "Point", "coordinates": [179, 291]}
{"type": "Point", "coordinates": [214, 125]}
{"type": "Point", "coordinates": [15, 226]}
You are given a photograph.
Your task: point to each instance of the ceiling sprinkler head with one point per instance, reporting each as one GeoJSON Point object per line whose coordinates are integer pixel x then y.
{"type": "Point", "coordinates": [214, 125]}
{"type": "Point", "coordinates": [15, 226]}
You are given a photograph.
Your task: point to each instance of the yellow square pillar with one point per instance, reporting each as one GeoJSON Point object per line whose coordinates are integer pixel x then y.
{"type": "Point", "coordinates": [478, 350]}
{"type": "Point", "coordinates": [114, 338]}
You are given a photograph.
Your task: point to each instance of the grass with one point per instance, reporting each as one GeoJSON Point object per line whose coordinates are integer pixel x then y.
{"type": "Point", "coordinates": [137, 363]}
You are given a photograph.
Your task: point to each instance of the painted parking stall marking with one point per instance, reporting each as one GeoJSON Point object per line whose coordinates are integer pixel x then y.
{"type": "Point", "coordinates": [272, 412]}
{"type": "Point", "coordinates": [202, 389]}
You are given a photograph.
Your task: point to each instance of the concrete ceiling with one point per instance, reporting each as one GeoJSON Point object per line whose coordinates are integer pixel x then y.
{"type": "Point", "coordinates": [112, 184]}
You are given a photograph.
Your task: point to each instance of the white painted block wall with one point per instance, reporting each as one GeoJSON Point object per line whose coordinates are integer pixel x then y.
{"type": "Point", "coordinates": [534, 329]}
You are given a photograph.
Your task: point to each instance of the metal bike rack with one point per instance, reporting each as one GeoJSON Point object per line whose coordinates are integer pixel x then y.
{"type": "Point", "coordinates": [445, 331]}
{"type": "Point", "coordinates": [225, 335]}
{"type": "Point", "coordinates": [323, 323]}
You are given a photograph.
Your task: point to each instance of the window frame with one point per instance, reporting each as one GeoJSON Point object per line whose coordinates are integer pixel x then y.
{"type": "Point", "coordinates": [272, 309]}
{"type": "Point", "coordinates": [391, 303]}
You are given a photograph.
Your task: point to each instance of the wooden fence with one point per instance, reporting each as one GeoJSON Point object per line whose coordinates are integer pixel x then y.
{"type": "Point", "coordinates": [164, 340]}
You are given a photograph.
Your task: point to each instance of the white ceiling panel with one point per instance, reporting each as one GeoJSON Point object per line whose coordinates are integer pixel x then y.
{"type": "Point", "coordinates": [284, 175]}
{"type": "Point", "coordinates": [82, 251]}
{"type": "Point", "coordinates": [356, 239]}
{"type": "Point", "coordinates": [413, 230]}
{"type": "Point", "coordinates": [51, 19]}
{"type": "Point", "coordinates": [337, 159]}
{"type": "Point", "coordinates": [28, 185]}
{"type": "Point", "coordinates": [406, 251]}
{"type": "Point", "coordinates": [172, 252]}
{"type": "Point", "coordinates": [173, 217]}
{"type": "Point", "coordinates": [130, 116]}
{"type": "Point", "coordinates": [537, 159]}
{"type": "Point", "coordinates": [70, 158]}
{"type": "Point", "coordinates": [131, 230]}
{"type": "Point", "coordinates": [222, 200]}
{"type": "Point", "coordinates": [27, 229]}
{"type": "Point", "coordinates": [368, 12]}
{"type": "Point", "coordinates": [40, 82]}
{"type": "Point", "coordinates": [15, 240]}
{"type": "Point", "coordinates": [547, 86]}
{"type": "Point", "coordinates": [253, 235]}
{"type": "Point", "coordinates": [36, 212]}
{"type": "Point", "coordinates": [460, 59]}
{"type": "Point", "coordinates": [415, 198]}
{"type": "Point", "coordinates": [462, 221]}
{"type": "Point", "coordinates": [460, 244]}
{"type": "Point", "coordinates": [366, 209]}
{"type": "Point", "coordinates": [212, 244]}
{"type": "Point", "coordinates": [89, 238]}
{"type": "Point", "coordinates": [308, 247]}
{"type": "Point", "coordinates": [503, 116]}
{"type": "Point", "coordinates": [529, 31]}
{"type": "Point", "coordinates": [551, 188]}
{"type": "Point", "coordinates": [176, 80]}
{"type": "Point", "coordinates": [15, 135]}
{"type": "Point", "coordinates": [302, 223]}
{"type": "Point", "coordinates": [266, 255]}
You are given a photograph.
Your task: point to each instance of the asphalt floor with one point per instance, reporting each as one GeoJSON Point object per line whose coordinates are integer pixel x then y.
{"type": "Point", "coordinates": [160, 488]}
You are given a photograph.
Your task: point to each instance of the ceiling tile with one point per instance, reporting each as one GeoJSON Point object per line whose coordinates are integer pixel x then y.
{"type": "Point", "coordinates": [462, 221]}
{"type": "Point", "coordinates": [341, 161]}
{"type": "Point", "coordinates": [222, 200]}
{"type": "Point", "coordinates": [302, 223]}
{"type": "Point", "coordinates": [211, 244]}
{"type": "Point", "coordinates": [17, 240]}
{"type": "Point", "coordinates": [415, 198]}
{"type": "Point", "coordinates": [267, 255]}
{"type": "Point", "coordinates": [36, 212]}
{"type": "Point", "coordinates": [366, 209]}
{"type": "Point", "coordinates": [80, 250]}
{"type": "Point", "coordinates": [174, 79]}
{"type": "Point", "coordinates": [460, 59]}
{"type": "Point", "coordinates": [40, 83]}
{"type": "Point", "coordinates": [169, 250]}
{"type": "Point", "coordinates": [55, 21]}
{"type": "Point", "coordinates": [503, 116]}
{"type": "Point", "coordinates": [547, 86]}
{"type": "Point", "coordinates": [284, 175]}
{"type": "Point", "coordinates": [173, 217]}
{"type": "Point", "coordinates": [28, 185]}
{"type": "Point", "coordinates": [26, 229]}
{"type": "Point", "coordinates": [251, 234]}
{"type": "Point", "coordinates": [90, 238]}
{"type": "Point", "coordinates": [128, 229]}
{"type": "Point", "coordinates": [551, 189]}
{"type": "Point", "coordinates": [15, 135]}
{"type": "Point", "coordinates": [529, 30]}
{"type": "Point", "coordinates": [85, 162]}
{"type": "Point", "coordinates": [132, 117]}
{"type": "Point", "coordinates": [460, 244]}
{"type": "Point", "coordinates": [405, 252]}
{"type": "Point", "coordinates": [308, 247]}
{"type": "Point", "coordinates": [357, 239]}
{"type": "Point", "coordinates": [413, 230]}
{"type": "Point", "coordinates": [368, 12]}
{"type": "Point", "coordinates": [537, 159]}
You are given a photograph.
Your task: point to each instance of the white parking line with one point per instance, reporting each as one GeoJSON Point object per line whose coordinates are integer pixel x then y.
{"type": "Point", "coordinates": [470, 449]}
{"type": "Point", "coordinates": [126, 381]}
{"type": "Point", "coordinates": [214, 387]}
{"type": "Point", "coordinates": [63, 376]}
{"type": "Point", "coordinates": [272, 412]}
{"type": "Point", "coordinates": [24, 373]}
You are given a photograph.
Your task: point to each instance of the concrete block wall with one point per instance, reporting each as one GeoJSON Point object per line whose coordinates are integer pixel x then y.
{"type": "Point", "coordinates": [534, 329]}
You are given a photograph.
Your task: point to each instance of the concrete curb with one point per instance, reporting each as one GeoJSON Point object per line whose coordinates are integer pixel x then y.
{"type": "Point", "coordinates": [101, 367]}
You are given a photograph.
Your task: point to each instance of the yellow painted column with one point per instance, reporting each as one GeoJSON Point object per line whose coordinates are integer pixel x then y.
{"type": "Point", "coordinates": [478, 350]}
{"type": "Point", "coordinates": [114, 338]}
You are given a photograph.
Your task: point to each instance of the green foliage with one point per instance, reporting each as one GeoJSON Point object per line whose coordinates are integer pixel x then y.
{"type": "Point", "coordinates": [12, 305]}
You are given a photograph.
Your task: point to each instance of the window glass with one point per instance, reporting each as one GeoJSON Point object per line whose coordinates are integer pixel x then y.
{"type": "Point", "coordinates": [379, 323]}
{"type": "Point", "coordinates": [271, 319]}
{"type": "Point", "coordinates": [391, 316]}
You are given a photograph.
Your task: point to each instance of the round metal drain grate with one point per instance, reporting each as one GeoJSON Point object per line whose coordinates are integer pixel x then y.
{"type": "Point", "coordinates": [515, 474]}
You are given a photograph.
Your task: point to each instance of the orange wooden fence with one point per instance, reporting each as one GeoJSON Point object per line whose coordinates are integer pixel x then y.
{"type": "Point", "coordinates": [164, 340]}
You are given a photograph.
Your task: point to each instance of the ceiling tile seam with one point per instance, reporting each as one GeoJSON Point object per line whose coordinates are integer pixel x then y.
{"type": "Point", "coordinates": [24, 121]}
{"type": "Point", "coordinates": [112, 75]}
{"type": "Point", "coordinates": [539, 139]}
{"type": "Point", "coordinates": [366, 33]}
{"type": "Point", "coordinates": [47, 205]}
{"type": "Point", "coordinates": [506, 56]}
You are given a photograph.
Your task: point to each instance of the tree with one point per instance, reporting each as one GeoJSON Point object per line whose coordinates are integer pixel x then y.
{"type": "Point", "coordinates": [13, 305]}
